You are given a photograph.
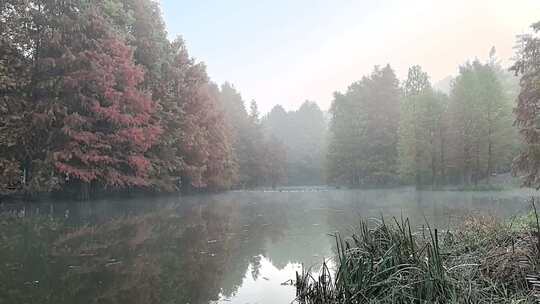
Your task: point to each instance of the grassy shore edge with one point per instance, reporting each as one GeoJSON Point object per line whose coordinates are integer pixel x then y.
{"type": "Point", "coordinates": [485, 261]}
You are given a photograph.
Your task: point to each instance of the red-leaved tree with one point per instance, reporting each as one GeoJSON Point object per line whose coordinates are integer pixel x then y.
{"type": "Point", "coordinates": [108, 125]}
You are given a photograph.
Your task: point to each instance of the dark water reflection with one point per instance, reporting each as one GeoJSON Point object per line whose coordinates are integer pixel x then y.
{"type": "Point", "coordinates": [236, 247]}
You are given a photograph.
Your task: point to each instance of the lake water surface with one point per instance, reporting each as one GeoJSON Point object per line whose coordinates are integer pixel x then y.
{"type": "Point", "coordinates": [235, 247]}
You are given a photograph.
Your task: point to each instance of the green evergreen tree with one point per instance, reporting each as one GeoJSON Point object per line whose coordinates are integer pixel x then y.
{"type": "Point", "coordinates": [364, 131]}
{"type": "Point", "coordinates": [480, 116]}
{"type": "Point", "coordinates": [421, 131]}
{"type": "Point", "coordinates": [416, 88]}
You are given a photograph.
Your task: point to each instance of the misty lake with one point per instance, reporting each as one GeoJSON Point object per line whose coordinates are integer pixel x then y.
{"type": "Point", "coordinates": [233, 247]}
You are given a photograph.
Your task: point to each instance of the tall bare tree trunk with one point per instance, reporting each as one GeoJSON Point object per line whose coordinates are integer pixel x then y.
{"type": "Point", "coordinates": [477, 167]}
{"type": "Point", "coordinates": [442, 160]}
{"type": "Point", "coordinates": [489, 161]}
{"type": "Point", "coordinates": [467, 163]}
{"type": "Point", "coordinates": [417, 177]}
{"type": "Point", "coordinates": [433, 153]}
{"type": "Point", "coordinates": [490, 147]}
{"type": "Point", "coordinates": [84, 191]}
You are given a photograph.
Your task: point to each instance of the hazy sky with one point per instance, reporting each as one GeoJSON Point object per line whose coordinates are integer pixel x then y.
{"type": "Point", "coordinates": [287, 51]}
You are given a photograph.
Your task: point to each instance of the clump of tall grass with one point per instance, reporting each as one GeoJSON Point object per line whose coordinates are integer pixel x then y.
{"type": "Point", "coordinates": [486, 261]}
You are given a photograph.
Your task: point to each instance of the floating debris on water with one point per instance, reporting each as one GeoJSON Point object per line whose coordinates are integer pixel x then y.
{"type": "Point", "coordinates": [287, 283]}
{"type": "Point", "coordinates": [112, 264]}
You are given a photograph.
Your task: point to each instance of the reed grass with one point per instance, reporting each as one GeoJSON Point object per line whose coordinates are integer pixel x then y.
{"type": "Point", "coordinates": [486, 261]}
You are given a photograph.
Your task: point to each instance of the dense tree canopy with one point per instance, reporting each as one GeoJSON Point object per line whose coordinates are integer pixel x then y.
{"type": "Point", "coordinates": [107, 123]}
{"type": "Point", "coordinates": [255, 153]}
{"type": "Point", "coordinates": [303, 133]}
{"type": "Point", "coordinates": [364, 131]}
{"type": "Point", "coordinates": [527, 110]}
{"type": "Point", "coordinates": [464, 138]}
{"type": "Point", "coordinates": [95, 95]}
{"type": "Point", "coordinates": [421, 144]}
{"type": "Point", "coordinates": [481, 133]}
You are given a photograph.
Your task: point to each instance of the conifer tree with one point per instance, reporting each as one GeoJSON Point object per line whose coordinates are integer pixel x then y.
{"type": "Point", "coordinates": [527, 65]}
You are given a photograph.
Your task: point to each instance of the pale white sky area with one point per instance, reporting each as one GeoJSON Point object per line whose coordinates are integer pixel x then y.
{"type": "Point", "coordinates": [284, 51]}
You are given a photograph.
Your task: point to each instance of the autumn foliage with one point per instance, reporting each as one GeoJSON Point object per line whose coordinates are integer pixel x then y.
{"type": "Point", "coordinates": [108, 125]}
{"type": "Point", "coordinates": [95, 96]}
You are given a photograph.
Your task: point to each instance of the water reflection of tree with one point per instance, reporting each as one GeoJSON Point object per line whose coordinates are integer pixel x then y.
{"type": "Point", "coordinates": [188, 253]}
{"type": "Point", "coordinates": [260, 220]}
{"type": "Point", "coordinates": [192, 251]}
{"type": "Point", "coordinates": [306, 239]}
{"type": "Point", "coordinates": [24, 265]}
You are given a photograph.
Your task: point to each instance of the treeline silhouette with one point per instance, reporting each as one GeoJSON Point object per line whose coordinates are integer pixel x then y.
{"type": "Point", "coordinates": [96, 98]}
{"type": "Point", "coordinates": [386, 133]}
{"type": "Point", "coordinates": [303, 133]}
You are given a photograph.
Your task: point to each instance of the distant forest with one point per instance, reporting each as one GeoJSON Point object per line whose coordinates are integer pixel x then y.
{"type": "Point", "coordinates": [95, 98]}
{"type": "Point", "coordinates": [384, 133]}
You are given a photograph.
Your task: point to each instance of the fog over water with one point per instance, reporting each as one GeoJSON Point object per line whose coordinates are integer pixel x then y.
{"type": "Point", "coordinates": [235, 247]}
{"type": "Point", "coordinates": [202, 152]}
